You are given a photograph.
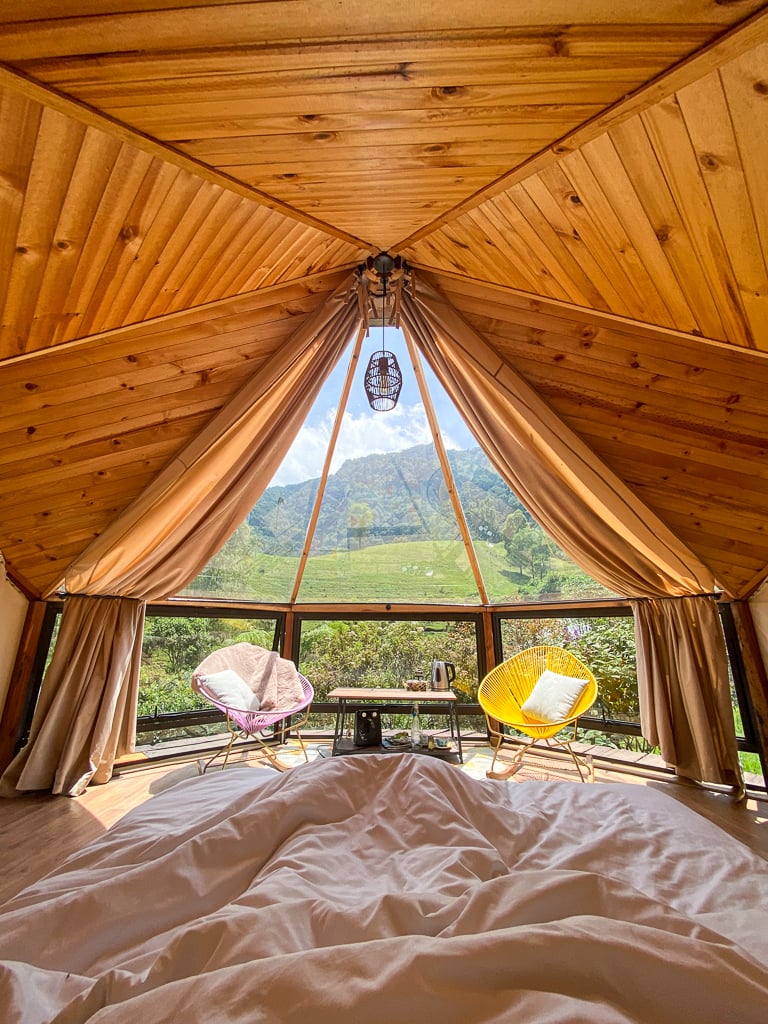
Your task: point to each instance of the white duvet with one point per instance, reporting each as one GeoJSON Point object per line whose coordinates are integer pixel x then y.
{"type": "Point", "coordinates": [386, 888]}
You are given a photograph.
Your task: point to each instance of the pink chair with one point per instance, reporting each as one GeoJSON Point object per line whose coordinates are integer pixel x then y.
{"type": "Point", "coordinates": [279, 703]}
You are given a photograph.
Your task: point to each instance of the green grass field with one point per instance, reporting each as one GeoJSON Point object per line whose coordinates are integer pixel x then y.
{"type": "Point", "coordinates": [412, 571]}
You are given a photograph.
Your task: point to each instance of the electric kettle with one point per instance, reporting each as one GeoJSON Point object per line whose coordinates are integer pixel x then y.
{"type": "Point", "coordinates": [443, 674]}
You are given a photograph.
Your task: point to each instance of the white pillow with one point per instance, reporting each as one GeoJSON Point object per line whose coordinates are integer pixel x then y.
{"type": "Point", "coordinates": [553, 697]}
{"type": "Point", "coordinates": [231, 689]}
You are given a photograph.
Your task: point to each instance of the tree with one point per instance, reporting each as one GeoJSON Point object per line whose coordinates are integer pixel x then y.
{"type": "Point", "coordinates": [360, 519]}
{"type": "Point", "coordinates": [181, 644]}
{"type": "Point", "coordinates": [228, 572]}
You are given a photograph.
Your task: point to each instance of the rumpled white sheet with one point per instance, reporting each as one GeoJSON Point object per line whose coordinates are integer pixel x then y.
{"type": "Point", "coordinates": [386, 888]}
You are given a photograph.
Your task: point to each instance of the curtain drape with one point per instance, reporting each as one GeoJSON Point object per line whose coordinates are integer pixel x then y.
{"type": "Point", "coordinates": [593, 516]}
{"type": "Point", "coordinates": [678, 641]}
{"type": "Point", "coordinates": [80, 724]}
{"type": "Point", "coordinates": [176, 525]}
{"type": "Point", "coordinates": [160, 543]}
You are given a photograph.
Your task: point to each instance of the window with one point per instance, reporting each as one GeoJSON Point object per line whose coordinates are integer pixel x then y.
{"type": "Point", "coordinates": [175, 642]}
{"type": "Point", "coordinates": [604, 641]}
{"type": "Point", "coordinates": [388, 522]}
{"type": "Point", "coordinates": [384, 652]}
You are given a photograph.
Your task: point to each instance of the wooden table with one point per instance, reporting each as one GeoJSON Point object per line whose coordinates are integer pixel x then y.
{"type": "Point", "coordinates": [391, 701]}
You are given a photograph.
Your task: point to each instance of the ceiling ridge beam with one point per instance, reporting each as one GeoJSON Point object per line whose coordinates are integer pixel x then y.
{"type": "Point", "coordinates": [170, 319]}
{"type": "Point", "coordinates": [48, 96]}
{"type": "Point", "coordinates": [730, 45]}
{"type": "Point", "coordinates": [613, 320]}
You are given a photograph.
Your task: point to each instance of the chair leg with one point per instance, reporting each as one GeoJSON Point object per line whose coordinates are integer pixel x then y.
{"type": "Point", "coordinates": [496, 739]}
{"type": "Point", "coordinates": [272, 758]}
{"type": "Point", "coordinates": [587, 762]}
{"type": "Point", "coordinates": [203, 767]}
{"type": "Point", "coordinates": [513, 767]}
{"type": "Point", "coordinates": [517, 762]}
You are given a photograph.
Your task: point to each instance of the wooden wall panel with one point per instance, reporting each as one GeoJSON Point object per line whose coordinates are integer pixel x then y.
{"type": "Point", "coordinates": [664, 215]}
{"type": "Point", "coordinates": [375, 135]}
{"type": "Point", "coordinates": [96, 234]}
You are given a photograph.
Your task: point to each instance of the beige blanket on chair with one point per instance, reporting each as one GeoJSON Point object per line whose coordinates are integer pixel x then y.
{"type": "Point", "coordinates": [273, 679]}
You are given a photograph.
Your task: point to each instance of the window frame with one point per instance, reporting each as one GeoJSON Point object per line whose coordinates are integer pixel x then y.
{"type": "Point", "coordinates": [288, 623]}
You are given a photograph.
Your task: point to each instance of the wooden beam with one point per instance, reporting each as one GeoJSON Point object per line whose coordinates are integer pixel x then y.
{"type": "Point", "coordinates": [240, 306]}
{"type": "Point", "coordinates": [353, 362]}
{"type": "Point", "coordinates": [756, 674]}
{"type": "Point", "coordinates": [442, 455]}
{"type": "Point", "coordinates": [21, 676]}
{"type": "Point", "coordinates": [517, 306]}
{"type": "Point", "coordinates": [85, 114]}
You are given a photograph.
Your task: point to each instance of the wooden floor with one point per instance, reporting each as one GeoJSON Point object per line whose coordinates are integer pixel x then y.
{"type": "Point", "coordinates": [38, 831]}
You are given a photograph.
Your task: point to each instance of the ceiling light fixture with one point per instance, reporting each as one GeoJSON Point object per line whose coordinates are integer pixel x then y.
{"type": "Point", "coordinates": [380, 279]}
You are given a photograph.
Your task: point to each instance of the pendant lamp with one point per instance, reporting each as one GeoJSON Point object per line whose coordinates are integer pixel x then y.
{"type": "Point", "coordinates": [383, 379]}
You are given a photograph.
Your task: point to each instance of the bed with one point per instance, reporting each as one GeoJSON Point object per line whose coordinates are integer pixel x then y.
{"type": "Point", "coordinates": [385, 888]}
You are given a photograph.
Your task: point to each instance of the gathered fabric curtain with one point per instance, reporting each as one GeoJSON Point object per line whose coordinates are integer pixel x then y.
{"type": "Point", "coordinates": [156, 547]}
{"type": "Point", "coordinates": [80, 724]}
{"type": "Point", "coordinates": [188, 512]}
{"type": "Point", "coordinates": [679, 641]}
{"type": "Point", "coordinates": [597, 520]}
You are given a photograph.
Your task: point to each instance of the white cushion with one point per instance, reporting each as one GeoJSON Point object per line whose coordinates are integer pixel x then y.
{"type": "Point", "coordinates": [553, 697]}
{"type": "Point", "coordinates": [231, 689]}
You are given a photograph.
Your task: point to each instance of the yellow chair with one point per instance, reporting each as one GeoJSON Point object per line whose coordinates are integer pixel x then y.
{"type": "Point", "coordinates": [507, 687]}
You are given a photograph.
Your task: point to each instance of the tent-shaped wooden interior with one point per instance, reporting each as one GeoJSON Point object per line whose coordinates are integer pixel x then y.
{"type": "Point", "coordinates": [188, 191]}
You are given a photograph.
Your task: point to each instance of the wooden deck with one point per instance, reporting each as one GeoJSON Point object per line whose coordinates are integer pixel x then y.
{"type": "Point", "coordinates": [37, 831]}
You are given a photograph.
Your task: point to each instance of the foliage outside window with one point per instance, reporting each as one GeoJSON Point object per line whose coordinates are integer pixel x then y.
{"type": "Point", "coordinates": [371, 653]}
{"type": "Point", "coordinates": [606, 644]}
{"type": "Point", "coordinates": [384, 653]}
{"type": "Point", "coordinates": [378, 652]}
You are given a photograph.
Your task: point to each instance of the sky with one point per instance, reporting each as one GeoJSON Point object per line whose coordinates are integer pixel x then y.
{"type": "Point", "coordinates": [363, 431]}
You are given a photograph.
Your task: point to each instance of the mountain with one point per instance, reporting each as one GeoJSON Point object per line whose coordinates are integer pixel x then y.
{"type": "Point", "coordinates": [381, 499]}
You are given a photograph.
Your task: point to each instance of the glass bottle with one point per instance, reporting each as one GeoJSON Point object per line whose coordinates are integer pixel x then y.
{"type": "Point", "coordinates": [415, 726]}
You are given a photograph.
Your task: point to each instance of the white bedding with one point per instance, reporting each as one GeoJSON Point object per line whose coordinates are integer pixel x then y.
{"type": "Point", "coordinates": [387, 888]}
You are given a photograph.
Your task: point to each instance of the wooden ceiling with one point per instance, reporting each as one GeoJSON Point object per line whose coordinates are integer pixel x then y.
{"type": "Point", "coordinates": [181, 182]}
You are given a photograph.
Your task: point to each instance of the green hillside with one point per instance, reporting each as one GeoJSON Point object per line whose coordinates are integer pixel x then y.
{"type": "Point", "coordinates": [387, 532]}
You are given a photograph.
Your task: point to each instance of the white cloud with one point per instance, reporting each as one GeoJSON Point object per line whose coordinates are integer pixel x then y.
{"type": "Point", "coordinates": [361, 434]}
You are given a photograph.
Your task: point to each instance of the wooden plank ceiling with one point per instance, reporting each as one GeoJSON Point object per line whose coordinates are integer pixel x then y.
{"type": "Point", "coordinates": [182, 181]}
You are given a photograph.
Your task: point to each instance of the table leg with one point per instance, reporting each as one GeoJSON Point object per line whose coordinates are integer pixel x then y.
{"type": "Point", "coordinates": [338, 732]}
{"type": "Point", "coordinates": [454, 716]}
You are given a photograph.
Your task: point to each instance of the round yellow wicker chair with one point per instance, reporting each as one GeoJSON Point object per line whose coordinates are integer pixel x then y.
{"type": "Point", "coordinates": [506, 688]}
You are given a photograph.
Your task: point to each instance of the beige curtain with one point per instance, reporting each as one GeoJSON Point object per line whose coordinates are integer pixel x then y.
{"type": "Point", "coordinates": [80, 725]}
{"type": "Point", "coordinates": [86, 712]}
{"type": "Point", "coordinates": [578, 500]}
{"type": "Point", "coordinates": [589, 512]}
{"type": "Point", "coordinates": [679, 641]}
{"type": "Point", "coordinates": [173, 529]}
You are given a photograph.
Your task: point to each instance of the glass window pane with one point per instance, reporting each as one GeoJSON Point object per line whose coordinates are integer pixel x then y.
{"type": "Point", "coordinates": [387, 530]}
{"type": "Point", "coordinates": [606, 644]}
{"type": "Point", "coordinates": [174, 646]}
{"type": "Point", "coordinates": [348, 652]}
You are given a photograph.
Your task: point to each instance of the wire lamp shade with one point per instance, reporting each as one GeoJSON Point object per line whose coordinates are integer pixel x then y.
{"type": "Point", "coordinates": [383, 381]}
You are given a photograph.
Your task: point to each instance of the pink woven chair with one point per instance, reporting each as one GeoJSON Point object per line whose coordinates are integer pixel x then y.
{"type": "Point", "coordinates": [250, 725]}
